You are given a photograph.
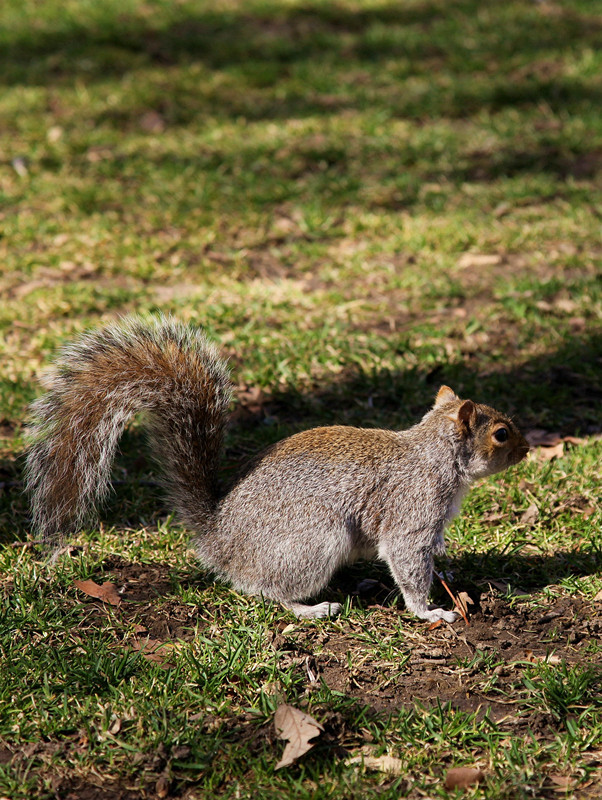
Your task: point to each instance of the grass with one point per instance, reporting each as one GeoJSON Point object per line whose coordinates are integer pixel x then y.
{"type": "Point", "coordinates": [360, 201]}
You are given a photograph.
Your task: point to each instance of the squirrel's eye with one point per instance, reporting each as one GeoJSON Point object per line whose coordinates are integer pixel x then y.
{"type": "Point", "coordinates": [501, 435]}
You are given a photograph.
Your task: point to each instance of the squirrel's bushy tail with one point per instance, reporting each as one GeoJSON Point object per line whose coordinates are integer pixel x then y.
{"type": "Point", "coordinates": [166, 369]}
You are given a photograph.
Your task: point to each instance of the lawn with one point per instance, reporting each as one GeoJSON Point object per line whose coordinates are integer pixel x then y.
{"type": "Point", "coordinates": [360, 201]}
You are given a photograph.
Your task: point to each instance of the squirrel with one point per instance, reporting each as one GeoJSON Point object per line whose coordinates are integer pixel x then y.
{"type": "Point", "coordinates": [301, 509]}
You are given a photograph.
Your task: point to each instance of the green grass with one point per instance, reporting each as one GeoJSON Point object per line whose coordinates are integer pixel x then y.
{"type": "Point", "coordinates": [360, 201]}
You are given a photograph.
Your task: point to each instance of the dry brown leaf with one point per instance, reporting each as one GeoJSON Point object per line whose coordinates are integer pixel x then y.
{"type": "Point", "coordinates": [297, 728]}
{"type": "Point", "coordinates": [593, 757]}
{"type": "Point", "coordinates": [162, 786]}
{"type": "Point", "coordinates": [546, 659]}
{"type": "Point", "coordinates": [501, 586]}
{"type": "Point", "coordinates": [463, 777]}
{"type": "Point", "coordinates": [538, 437]}
{"type": "Point", "coordinates": [549, 445]}
{"type": "Point", "coordinates": [389, 764]}
{"type": "Point", "coordinates": [139, 628]}
{"type": "Point", "coordinates": [562, 783]}
{"type": "Point", "coordinates": [549, 453]}
{"type": "Point", "coordinates": [107, 592]}
{"type": "Point", "coordinates": [598, 597]}
{"type": "Point", "coordinates": [530, 515]}
{"type": "Point", "coordinates": [463, 600]}
{"type": "Point", "coordinates": [115, 727]}
{"type": "Point", "coordinates": [154, 650]}
{"type": "Point", "coordinates": [576, 440]}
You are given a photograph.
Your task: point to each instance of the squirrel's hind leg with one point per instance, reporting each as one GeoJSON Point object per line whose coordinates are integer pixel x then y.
{"type": "Point", "coordinates": [318, 611]}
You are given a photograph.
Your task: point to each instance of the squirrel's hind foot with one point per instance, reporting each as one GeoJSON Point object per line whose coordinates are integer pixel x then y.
{"type": "Point", "coordinates": [435, 614]}
{"type": "Point", "coordinates": [318, 611]}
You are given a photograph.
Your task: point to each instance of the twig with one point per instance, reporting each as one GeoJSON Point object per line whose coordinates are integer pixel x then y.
{"type": "Point", "coordinates": [457, 603]}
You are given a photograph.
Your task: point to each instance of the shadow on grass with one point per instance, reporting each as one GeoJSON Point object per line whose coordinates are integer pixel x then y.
{"type": "Point", "coordinates": [472, 571]}
{"type": "Point", "coordinates": [561, 391]}
{"type": "Point", "coordinates": [264, 43]}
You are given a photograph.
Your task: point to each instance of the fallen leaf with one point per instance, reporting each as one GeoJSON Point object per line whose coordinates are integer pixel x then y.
{"type": "Point", "coordinates": [549, 445]}
{"type": "Point", "coordinates": [154, 650]}
{"type": "Point", "coordinates": [463, 600]}
{"type": "Point", "coordinates": [139, 628]}
{"type": "Point", "coordinates": [532, 658]}
{"type": "Point", "coordinates": [530, 515]}
{"type": "Point", "coordinates": [501, 586]}
{"type": "Point", "coordinates": [598, 597]}
{"type": "Point", "coordinates": [549, 453]}
{"type": "Point", "coordinates": [390, 764]}
{"type": "Point", "coordinates": [162, 786]}
{"type": "Point", "coordinates": [493, 516]}
{"type": "Point", "coordinates": [576, 440]}
{"type": "Point", "coordinates": [538, 437]}
{"type": "Point", "coordinates": [463, 777]}
{"type": "Point", "coordinates": [107, 592]}
{"type": "Point", "coordinates": [562, 783]}
{"type": "Point", "coordinates": [115, 727]}
{"type": "Point", "coordinates": [297, 728]}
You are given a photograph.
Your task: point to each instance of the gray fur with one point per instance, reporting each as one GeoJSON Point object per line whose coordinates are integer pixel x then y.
{"type": "Point", "coordinates": [307, 506]}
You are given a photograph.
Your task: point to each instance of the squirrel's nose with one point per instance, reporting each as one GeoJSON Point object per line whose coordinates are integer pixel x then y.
{"type": "Point", "coordinates": [522, 452]}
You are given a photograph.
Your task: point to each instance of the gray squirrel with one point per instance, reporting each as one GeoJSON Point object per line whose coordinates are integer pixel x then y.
{"type": "Point", "coordinates": [304, 507]}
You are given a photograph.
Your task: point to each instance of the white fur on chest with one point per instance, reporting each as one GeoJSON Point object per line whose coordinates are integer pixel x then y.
{"type": "Point", "coordinates": [452, 511]}
{"type": "Point", "coordinates": [456, 504]}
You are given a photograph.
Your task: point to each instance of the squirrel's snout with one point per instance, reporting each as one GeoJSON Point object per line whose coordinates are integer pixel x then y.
{"type": "Point", "coordinates": [520, 453]}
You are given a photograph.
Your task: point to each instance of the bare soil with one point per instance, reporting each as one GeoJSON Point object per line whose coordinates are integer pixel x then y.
{"type": "Point", "coordinates": [513, 634]}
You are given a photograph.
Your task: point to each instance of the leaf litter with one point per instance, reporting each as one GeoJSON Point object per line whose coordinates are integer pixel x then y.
{"type": "Point", "coordinates": [107, 592]}
{"type": "Point", "coordinates": [298, 729]}
{"type": "Point", "coordinates": [547, 445]}
{"type": "Point", "coordinates": [463, 777]}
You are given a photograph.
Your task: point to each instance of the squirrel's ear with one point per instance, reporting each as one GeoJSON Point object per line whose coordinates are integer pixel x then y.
{"type": "Point", "coordinates": [445, 395]}
{"type": "Point", "coordinates": [466, 415]}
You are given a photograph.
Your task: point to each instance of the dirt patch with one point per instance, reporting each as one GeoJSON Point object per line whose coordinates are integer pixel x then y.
{"type": "Point", "coordinates": [83, 790]}
{"type": "Point", "coordinates": [145, 590]}
{"type": "Point", "coordinates": [475, 668]}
